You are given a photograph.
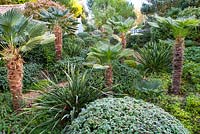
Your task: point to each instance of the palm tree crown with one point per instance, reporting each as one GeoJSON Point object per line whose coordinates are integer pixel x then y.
{"type": "Point", "coordinates": [180, 27]}
{"type": "Point", "coordinates": [120, 24]}
{"type": "Point", "coordinates": [63, 18]}
{"type": "Point", "coordinates": [60, 21]}
{"type": "Point", "coordinates": [21, 33]}
{"type": "Point", "coordinates": [104, 53]}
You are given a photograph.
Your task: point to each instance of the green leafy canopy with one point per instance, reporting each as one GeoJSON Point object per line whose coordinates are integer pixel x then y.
{"type": "Point", "coordinates": [104, 53]}
{"type": "Point", "coordinates": [121, 24]}
{"type": "Point", "coordinates": [180, 27]}
{"type": "Point", "coordinates": [54, 16]}
{"type": "Point", "coordinates": [19, 32]}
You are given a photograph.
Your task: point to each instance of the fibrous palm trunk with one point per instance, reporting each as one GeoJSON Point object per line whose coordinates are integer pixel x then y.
{"type": "Point", "coordinates": [177, 65]}
{"type": "Point", "coordinates": [109, 77]}
{"type": "Point", "coordinates": [58, 41]}
{"type": "Point", "coordinates": [123, 38]}
{"type": "Point", "coordinates": [15, 77]}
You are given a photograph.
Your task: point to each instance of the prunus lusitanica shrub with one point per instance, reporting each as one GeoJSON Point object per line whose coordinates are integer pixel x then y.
{"type": "Point", "coordinates": [125, 116]}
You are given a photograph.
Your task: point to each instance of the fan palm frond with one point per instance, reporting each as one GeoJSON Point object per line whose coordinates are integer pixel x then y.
{"type": "Point", "coordinates": [55, 16]}
{"type": "Point", "coordinates": [106, 53]}
{"type": "Point", "coordinates": [21, 33]}
{"type": "Point", "coordinates": [180, 27]}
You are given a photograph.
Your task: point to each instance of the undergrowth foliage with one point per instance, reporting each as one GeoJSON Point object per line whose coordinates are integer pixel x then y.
{"type": "Point", "coordinates": [155, 57]}
{"type": "Point", "coordinates": [61, 104]}
{"type": "Point", "coordinates": [9, 121]}
{"type": "Point", "coordinates": [31, 75]}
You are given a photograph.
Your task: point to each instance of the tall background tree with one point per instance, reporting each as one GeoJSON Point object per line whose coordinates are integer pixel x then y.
{"type": "Point", "coordinates": [161, 7]}
{"type": "Point", "coordinates": [20, 35]}
{"type": "Point", "coordinates": [103, 10]}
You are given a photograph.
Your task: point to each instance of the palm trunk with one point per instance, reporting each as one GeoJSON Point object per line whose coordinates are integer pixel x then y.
{"type": "Point", "coordinates": [177, 65]}
{"type": "Point", "coordinates": [123, 37]}
{"type": "Point", "coordinates": [15, 77]}
{"type": "Point", "coordinates": [58, 41]}
{"type": "Point", "coordinates": [109, 77]}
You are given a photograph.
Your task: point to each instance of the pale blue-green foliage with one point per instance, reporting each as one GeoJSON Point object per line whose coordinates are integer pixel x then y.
{"type": "Point", "coordinates": [121, 24]}
{"type": "Point", "coordinates": [180, 27]}
{"type": "Point", "coordinates": [125, 116]}
{"type": "Point", "coordinates": [104, 53]}
{"type": "Point", "coordinates": [55, 16]}
{"type": "Point", "coordinates": [21, 32]}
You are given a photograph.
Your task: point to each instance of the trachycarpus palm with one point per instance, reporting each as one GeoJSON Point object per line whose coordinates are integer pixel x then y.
{"type": "Point", "coordinates": [59, 20]}
{"type": "Point", "coordinates": [103, 54]}
{"type": "Point", "coordinates": [180, 29]}
{"type": "Point", "coordinates": [122, 26]}
{"type": "Point", "coordinates": [20, 35]}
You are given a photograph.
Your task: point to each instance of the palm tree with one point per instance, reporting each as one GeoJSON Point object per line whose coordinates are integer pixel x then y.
{"type": "Point", "coordinates": [59, 20]}
{"type": "Point", "coordinates": [180, 28]}
{"type": "Point", "coordinates": [20, 35]}
{"type": "Point", "coordinates": [103, 54]}
{"type": "Point", "coordinates": [122, 26]}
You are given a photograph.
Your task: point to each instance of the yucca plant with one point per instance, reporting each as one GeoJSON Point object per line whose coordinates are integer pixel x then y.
{"type": "Point", "coordinates": [122, 26]}
{"type": "Point", "coordinates": [102, 56]}
{"type": "Point", "coordinates": [62, 104]}
{"type": "Point", "coordinates": [20, 35]}
{"type": "Point", "coordinates": [59, 21]}
{"type": "Point", "coordinates": [155, 57]}
{"type": "Point", "coordinates": [180, 27]}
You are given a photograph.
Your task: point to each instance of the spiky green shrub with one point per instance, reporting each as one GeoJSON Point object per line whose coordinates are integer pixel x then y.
{"type": "Point", "coordinates": [63, 65]}
{"type": "Point", "coordinates": [155, 57]}
{"type": "Point", "coordinates": [125, 115]}
{"type": "Point", "coordinates": [60, 105]}
{"type": "Point", "coordinates": [72, 46]}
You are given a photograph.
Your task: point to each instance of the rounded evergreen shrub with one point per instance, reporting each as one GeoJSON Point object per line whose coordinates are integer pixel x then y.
{"type": "Point", "coordinates": [125, 116]}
